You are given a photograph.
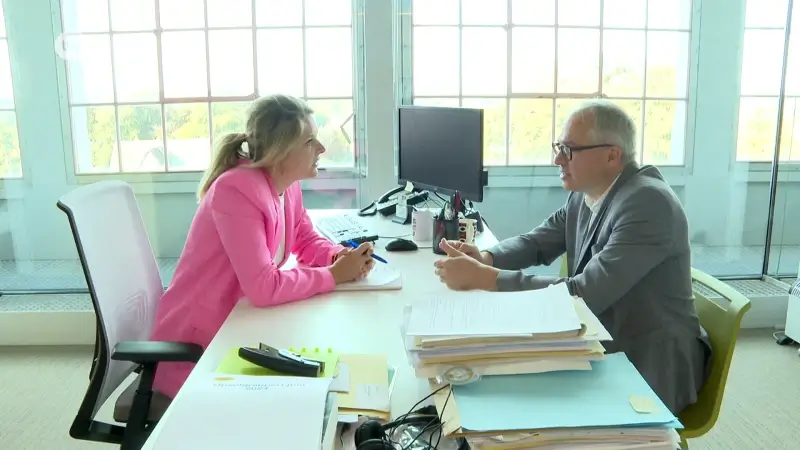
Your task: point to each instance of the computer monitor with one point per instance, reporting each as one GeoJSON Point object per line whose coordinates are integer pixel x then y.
{"type": "Point", "coordinates": [440, 149]}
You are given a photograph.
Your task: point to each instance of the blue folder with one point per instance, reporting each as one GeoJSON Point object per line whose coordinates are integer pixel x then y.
{"type": "Point", "coordinates": [600, 397]}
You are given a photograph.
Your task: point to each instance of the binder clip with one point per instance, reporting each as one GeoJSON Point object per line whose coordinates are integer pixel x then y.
{"type": "Point", "coordinates": [458, 375]}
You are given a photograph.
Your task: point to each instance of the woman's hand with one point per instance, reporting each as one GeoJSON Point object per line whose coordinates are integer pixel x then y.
{"type": "Point", "coordinates": [353, 264]}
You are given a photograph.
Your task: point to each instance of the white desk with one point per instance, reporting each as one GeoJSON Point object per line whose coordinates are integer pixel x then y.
{"type": "Point", "coordinates": [349, 322]}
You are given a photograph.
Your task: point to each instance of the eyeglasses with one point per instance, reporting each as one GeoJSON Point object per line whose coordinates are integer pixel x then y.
{"type": "Point", "coordinates": [560, 147]}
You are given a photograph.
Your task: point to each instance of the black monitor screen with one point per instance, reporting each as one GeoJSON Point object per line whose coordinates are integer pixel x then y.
{"type": "Point", "coordinates": [441, 149]}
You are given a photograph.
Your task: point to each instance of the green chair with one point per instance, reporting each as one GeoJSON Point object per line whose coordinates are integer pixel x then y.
{"type": "Point", "coordinates": [722, 322]}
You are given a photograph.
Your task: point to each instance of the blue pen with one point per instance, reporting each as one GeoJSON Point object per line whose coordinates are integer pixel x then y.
{"type": "Point", "coordinates": [354, 245]}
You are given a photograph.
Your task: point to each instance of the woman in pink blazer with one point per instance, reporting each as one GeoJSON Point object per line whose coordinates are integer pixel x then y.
{"type": "Point", "coordinates": [250, 218]}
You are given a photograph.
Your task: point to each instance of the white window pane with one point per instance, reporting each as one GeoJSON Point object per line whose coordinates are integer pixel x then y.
{"type": "Point", "coordinates": [136, 78]}
{"type": "Point", "coordinates": [89, 69]}
{"type": "Point", "coordinates": [758, 121]}
{"type": "Point", "coordinates": [578, 60]}
{"type": "Point", "coordinates": [793, 63]}
{"type": "Point", "coordinates": [624, 13]}
{"type": "Point", "coordinates": [533, 12]}
{"type": "Point", "coordinates": [762, 60]}
{"type": "Point", "coordinates": [669, 14]}
{"type": "Point", "coordinates": [231, 62]}
{"type": "Point", "coordinates": [279, 13]}
{"type": "Point", "coordinates": [94, 139]}
{"type": "Point", "coordinates": [6, 86]}
{"type": "Point", "coordinates": [84, 16]}
{"type": "Point", "coordinates": [494, 128]}
{"type": "Point", "coordinates": [280, 61]}
{"type": "Point", "coordinates": [484, 12]}
{"type": "Point", "coordinates": [133, 15]}
{"type": "Point", "coordinates": [176, 14]}
{"type": "Point", "coordinates": [452, 102]}
{"type": "Point", "coordinates": [664, 132]}
{"type": "Point", "coordinates": [564, 106]}
{"type": "Point", "coordinates": [623, 63]}
{"type": "Point", "coordinates": [230, 13]}
{"type": "Point", "coordinates": [335, 131]}
{"type": "Point", "coordinates": [667, 64]}
{"type": "Point", "coordinates": [10, 157]}
{"type": "Point", "coordinates": [579, 12]}
{"type": "Point", "coordinates": [183, 62]}
{"type": "Point", "coordinates": [228, 117]}
{"type": "Point", "coordinates": [140, 138]}
{"type": "Point", "coordinates": [188, 140]}
{"type": "Point", "coordinates": [790, 131]}
{"type": "Point", "coordinates": [533, 56]}
{"type": "Point", "coordinates": [329, 62]}
{"type": "Point", "coordinates": [766, 13]}
{"type": "Point", "coordinates": [435, 12]}
{"type": "Point", "coordinates": [436, 61]}
{"type": "Point", "coordinates": [483, 53]}
{"type": "Point", "coordinates": [329, 12]}
{"type": "Point", "coordinates": [531, 131]}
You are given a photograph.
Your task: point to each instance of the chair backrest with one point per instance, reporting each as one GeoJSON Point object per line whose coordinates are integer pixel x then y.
{"type": "Point", "coordinates": [121, 274]}
{"type": "Point", "coordinates": [722, 322]}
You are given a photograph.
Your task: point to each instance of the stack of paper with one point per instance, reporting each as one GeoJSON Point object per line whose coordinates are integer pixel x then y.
{"type": "Point", "coordinates": [502, 333]}
{"type": "Point", "coordinates": [251, 412]}
{"type": "Point", "coordinates": [611, 406]}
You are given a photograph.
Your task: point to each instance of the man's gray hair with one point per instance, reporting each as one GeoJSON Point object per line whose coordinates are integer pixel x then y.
{"type": "Point", "coordinates": [612, 125]}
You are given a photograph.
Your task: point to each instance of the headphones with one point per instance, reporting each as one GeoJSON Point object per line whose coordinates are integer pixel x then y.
{"type": "Point", "coordinates": [371, 435]}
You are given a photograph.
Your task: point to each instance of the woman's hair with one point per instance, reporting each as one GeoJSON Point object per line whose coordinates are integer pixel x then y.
{"type": "Point", "coordinates": [274, 124]}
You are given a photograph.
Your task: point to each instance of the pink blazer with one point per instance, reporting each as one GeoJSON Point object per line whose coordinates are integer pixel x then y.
{"type": "Point", "coordinates": [229, 255]}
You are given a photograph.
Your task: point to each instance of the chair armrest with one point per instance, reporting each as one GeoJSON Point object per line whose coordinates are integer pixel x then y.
{"type": "Point", "coordinates": [148, 352]}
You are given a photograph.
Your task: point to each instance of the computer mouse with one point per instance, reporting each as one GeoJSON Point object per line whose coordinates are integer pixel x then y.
{"type": "Point", "coordinates": [401, 245]}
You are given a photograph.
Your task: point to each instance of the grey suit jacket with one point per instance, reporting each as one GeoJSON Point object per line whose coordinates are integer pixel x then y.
{"type": "Point", "coordinates": [632, 266]}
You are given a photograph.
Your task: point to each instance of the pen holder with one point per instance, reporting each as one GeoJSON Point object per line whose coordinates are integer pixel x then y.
{"type": "Point", "coordinates": [442, 228]}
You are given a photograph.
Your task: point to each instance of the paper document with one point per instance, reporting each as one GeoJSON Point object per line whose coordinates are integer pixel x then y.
{"type": "Point", "coordinates": [479, 313]}
{"type": "Point", "coordinates": [247, 412]}
{"type": "Point", "coordinates": [588, 398]}
{"type": "Point", "coordinates": [380, 277]}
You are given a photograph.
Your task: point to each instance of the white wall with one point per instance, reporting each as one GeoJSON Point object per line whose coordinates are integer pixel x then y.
{"type": "Point", "coordinates": [726, 201]}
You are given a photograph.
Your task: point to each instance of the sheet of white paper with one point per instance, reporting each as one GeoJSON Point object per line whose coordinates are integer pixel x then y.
{"type": "Point", "coordinates": [247, 412]}
{"type": "Point", "coordinates": [381, 275]}
{"type": "Point", "coordinates": [372, 396]}
{"type": "Point", "coordinates": [348, 418]}
{"type": "Point", "coordinates": [341, 383]}
{"type": "Point", "coordinates": [479, 313]}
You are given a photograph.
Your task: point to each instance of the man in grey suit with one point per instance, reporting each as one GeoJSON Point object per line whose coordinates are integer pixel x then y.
{"type": "Point", "coordinates": [625, 235]}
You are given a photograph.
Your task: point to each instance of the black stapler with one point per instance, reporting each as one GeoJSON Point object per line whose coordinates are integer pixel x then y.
{"type": "Point", "coordinates": [282, 361]}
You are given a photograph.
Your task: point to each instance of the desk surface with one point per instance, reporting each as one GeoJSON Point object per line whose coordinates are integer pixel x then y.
{"type": "Point", "coordinates": [349, 322]}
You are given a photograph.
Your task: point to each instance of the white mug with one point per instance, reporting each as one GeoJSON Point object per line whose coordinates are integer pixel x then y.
{"type": "Point", "coordinates": [422, 225]}
{"type": "Point", "coordinates": [467, 228]}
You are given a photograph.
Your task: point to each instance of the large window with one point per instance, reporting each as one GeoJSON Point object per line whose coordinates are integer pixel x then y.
{"type": "Point", "coordinates": [10, 160]}
{"type": "Point", "coordinates": [529, 62]}
{"type": "Point", "coordinates": [762, 64]}
{"type": "Point", "coordinates": [152, 84]}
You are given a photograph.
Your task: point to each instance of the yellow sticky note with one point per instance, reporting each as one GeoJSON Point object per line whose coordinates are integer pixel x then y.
{"type": "Point", "coordinates": [643, 405]}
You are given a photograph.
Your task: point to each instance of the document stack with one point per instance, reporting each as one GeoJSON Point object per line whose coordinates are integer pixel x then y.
{"type": "Point", "coordinates": [461, 336]}
{"type": "Point", "coordinates": [611, 406]}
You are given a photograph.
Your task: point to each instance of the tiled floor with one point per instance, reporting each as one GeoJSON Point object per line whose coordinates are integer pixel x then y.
{"type": "Point", "coordinates": [52, 276]}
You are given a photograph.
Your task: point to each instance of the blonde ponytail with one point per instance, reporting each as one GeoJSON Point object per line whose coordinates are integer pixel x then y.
{"type": "Point", "coordinates": [275, 124]}
{"type": "Point", "coordinates": [226, 157]}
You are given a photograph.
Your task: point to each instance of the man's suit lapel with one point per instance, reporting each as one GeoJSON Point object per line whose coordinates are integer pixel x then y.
{"type": "Point", "coordinates": [594, 222]}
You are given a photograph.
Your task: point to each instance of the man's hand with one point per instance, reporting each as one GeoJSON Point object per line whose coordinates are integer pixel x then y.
{"type": "Point", "coordinates": [470, 250]}
{"type": "Point", "coordinates": [462, 273]}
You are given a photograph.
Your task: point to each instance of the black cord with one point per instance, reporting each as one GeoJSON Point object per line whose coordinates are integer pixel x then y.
{"type": "Point", "coordinates": [402, 417]}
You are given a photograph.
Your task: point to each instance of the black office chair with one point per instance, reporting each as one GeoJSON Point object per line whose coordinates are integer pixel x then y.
{"type": "Point", "coordinates": [125, 286]}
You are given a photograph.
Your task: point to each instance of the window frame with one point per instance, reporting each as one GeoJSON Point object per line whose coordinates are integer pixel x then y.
{"type": "Point", "coordinates": [760, 168]}
{"type": "Point", "coordinates": [11, 184]}
{"type": "Point", "coordinates": [333, 178]}
{"type": "Point", "coordinates": [547, 175]}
